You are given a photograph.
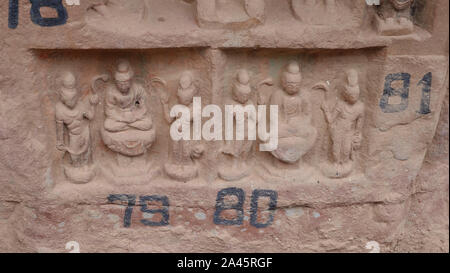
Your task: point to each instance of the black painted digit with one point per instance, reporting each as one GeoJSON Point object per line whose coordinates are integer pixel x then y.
{"type": "Point", "coordinates": [164, 211]}
{"type": "Point", "coordinates": [37, 18]}
{"type": "Point", "coordinates": [426, 90]}
{"type": "Point", "coordinates": [13, 14]}
{"type": "Point", "coordinates": [222, 205]}
{"type": "Point", "coordinates": [389, 92]}
{"type": "Point", "coordinates": [273, 195]}
{"type": "Point", "coordinates": [131, 202]}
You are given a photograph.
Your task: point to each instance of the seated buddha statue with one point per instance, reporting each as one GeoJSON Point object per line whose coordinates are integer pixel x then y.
{"type": "Point", "coordinates": [128, 128]}
{"type": "Point", "coordinates": [296, 133]}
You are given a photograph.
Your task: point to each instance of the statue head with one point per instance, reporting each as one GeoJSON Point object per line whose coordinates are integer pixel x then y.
{"type": "Point", "coordinates": [123, 76]}
{"type": "Point", "coordinates": [291, 78]}
{"type": "Point", "coordinates": [69, 92]}
{"type": "Point", "coordinates": [350, 92]}
{"type": "Point", "coordinates": [241, 87]}
{"type": "Point", "coordinates": [186, 88]}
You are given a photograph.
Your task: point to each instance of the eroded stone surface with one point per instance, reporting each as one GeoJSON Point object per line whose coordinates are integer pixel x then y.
{"type": "Point", "coordinates": [86, 155]}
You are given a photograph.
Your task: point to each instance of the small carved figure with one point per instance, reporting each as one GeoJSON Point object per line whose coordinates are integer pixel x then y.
{"type": "Point", "coordinates": [183, 166]}
{"type": "Point", "coordinates": [230, 13]}
{"type": "Point", "coordinates": [296, 133]}
{"type": "Point", "coordinates": [73, 136]}
{"type": "Point", "coordinates": [237, 152]}
{"type": "Point", "coordinates": [345, 122]}
{"type": "Point", "coordinates": [394, 17]}
{"type": "Point", "coordinates": [128, 128]}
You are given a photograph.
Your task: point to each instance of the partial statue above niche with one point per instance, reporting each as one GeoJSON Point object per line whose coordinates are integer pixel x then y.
{"type": "Point", "coordinates": [394, 17]}
{"type": "Point", "coordinates": [335, 13]}
{"type": "Point", "coordinates": [73, 133]}
{"type": "Point", "coordinates": [230, 13]}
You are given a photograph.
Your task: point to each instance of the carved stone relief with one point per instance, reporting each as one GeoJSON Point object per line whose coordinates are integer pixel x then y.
{"type": "Point", "coordinates": [237, 154]}
{"type": "Point", "coordinates": [320, 133]}
{"type": "Point", "coordinates": [184, 152]}
{"type": "Point", "coordinates": [137, 18]}
{"type": "Point", "coordinates": [296, 133]}
{"type": "Point", "coordinates": [345, 123]}
{"type": "Point", "coordinates": [394, 17]}
{"type": "Point", "coordinates": [73, 132]}
{"type": "Point", "coordinates": [128, 128]}
{"type": "Point", "coordinates": [354, 93]}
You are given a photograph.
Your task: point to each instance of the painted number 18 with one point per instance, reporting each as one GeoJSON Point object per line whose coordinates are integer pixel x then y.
{"type": "Point", "coordinates": [35, 13]}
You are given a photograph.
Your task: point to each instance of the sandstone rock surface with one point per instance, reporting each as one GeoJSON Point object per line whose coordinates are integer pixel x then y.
{"type": "Point", "coordinates": [86, 153]}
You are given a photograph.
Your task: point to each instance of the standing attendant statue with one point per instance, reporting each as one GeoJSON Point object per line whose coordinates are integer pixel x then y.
{"type": "Point", "coordinates": [182, 166]}
{"type": "Point", "coordinates": [345, 121]}
{"type": "Point", "coordinates": [73, 116]}
{"type": "Point", "coordinates": [237, 152]}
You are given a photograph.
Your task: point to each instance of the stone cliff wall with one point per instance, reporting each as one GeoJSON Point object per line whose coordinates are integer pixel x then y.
{"type": "Point", "coordinates": [86, 154]}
